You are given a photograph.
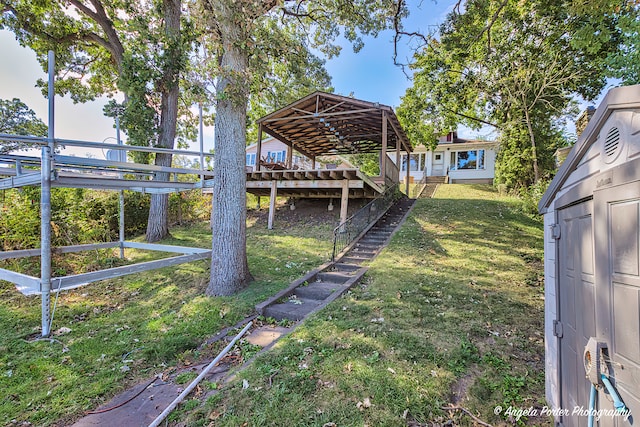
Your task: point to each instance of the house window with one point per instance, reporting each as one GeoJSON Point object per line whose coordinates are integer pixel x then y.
{"type": "Point", "coordinates": [276, 156]}
{"type": "Point", "coordinates": [438, 156]}
{"type": "Point", "coordinates": [251, 159]}
{"type": "Point", "coordinates": [467, 160]}
{"type": "Point", "coordinates": [416, 162]}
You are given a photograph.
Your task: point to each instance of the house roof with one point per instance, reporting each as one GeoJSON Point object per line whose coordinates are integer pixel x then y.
{"type": "Point", "coordinates": [325, 124]}
{"type": "Point", "coordinates": [625, 97]}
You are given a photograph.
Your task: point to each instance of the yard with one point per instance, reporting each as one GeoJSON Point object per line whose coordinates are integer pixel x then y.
{"type": "Point", "coordinates": [451, 313]}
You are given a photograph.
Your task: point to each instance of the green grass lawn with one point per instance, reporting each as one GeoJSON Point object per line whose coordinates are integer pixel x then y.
{"type": "Point", "coordinates": [121, 331]}
{"type": "Point", "coordinates": [450, 313]}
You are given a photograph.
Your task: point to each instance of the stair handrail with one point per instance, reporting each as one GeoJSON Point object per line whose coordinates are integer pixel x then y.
{"type": "Point", "coordinates": [419, 188]}
{"type": "Point", "coordinates": [362, 220]}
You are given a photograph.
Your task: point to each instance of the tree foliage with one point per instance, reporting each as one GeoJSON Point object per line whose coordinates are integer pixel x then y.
{"type": "Point", "coordinates": [105, 46]}
{"type": "Point", "coordinates": [17, 118]}
{"type": "Point", "coordinates": [517, 66]}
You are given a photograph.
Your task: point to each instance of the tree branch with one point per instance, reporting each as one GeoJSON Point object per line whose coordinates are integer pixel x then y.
{"type": "Point", "coordinates": [471, 118]}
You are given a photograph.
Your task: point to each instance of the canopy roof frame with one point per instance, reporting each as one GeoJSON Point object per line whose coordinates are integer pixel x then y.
{"type": "Point", "coordinates": [325, 124]}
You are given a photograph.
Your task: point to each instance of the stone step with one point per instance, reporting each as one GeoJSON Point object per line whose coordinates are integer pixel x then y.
{"type": "Point", "coordinates": [294, 309]}
{"type": "Point", "coordinates": [334, 276]}
{"type": "Point", "coordinates": [316, 290]}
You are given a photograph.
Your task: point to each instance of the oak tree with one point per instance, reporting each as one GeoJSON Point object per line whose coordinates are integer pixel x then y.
{"type": "Point", "coordinates": [16, 118]}
{"type": "Point", "coordinates": [234, 26]}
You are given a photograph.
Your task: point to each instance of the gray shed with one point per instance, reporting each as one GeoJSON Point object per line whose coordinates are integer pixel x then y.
{"type": "Point", "coordinates": [592, 270]}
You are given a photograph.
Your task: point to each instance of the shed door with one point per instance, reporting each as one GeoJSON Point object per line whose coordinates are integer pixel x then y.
{"type": "Point", "coordinates": [577, 307]}
{"type": "Point", "coordinates": [618, 295]}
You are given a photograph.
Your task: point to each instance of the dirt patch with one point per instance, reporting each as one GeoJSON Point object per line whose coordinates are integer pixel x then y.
{"type": "Point", "coordinates": [307, 212]}
{"type": "Point", "coordinates": [460, 389]}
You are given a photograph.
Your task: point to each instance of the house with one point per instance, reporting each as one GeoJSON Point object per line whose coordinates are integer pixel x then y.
{"type": "Point", "coordinates": [456, 160]}
{"type": "Point", "coordinates": [275, 151]}
{"type": "Point", "coordinates": [592, 269]}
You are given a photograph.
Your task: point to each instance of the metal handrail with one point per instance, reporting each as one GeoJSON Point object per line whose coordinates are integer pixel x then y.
{"type": "Point", "coordinates": [357, 223]}
{"type": "Point", "coordinates": [419, 188]}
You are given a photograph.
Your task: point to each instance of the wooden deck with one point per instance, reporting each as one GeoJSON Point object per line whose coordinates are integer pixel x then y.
{"type": "Point", "coordinates": [316, 183]}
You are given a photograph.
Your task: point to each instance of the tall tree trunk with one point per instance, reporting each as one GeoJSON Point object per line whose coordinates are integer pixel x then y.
{"type": "Point", "coordinates": [534, 153]}
{"type": "Point", "coordinates": [158, 223]}
{"type": "Point", "coordinates": [229, 267]}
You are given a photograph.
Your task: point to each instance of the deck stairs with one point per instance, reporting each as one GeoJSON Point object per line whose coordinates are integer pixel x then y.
{"type": "Point", "coordinates": [323, 285]}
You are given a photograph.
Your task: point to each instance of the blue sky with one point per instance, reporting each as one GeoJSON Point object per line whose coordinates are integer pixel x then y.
{"type": "Point", "coordinates": [370, 74]}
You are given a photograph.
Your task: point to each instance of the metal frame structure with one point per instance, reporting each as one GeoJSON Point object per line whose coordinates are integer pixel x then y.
{"type": "Point", "coordinates": [55, 170]}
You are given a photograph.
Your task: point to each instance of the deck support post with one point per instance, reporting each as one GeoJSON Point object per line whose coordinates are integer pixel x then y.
{"type": "Point", "coordinates": [290, 157]}
{"type": "Point", "coordinates": [406, 179]}
{"type": "Point", "coordinates": [383, 153]}
{"type": "Point", "coordinates": [398, 157]}
{"type": "Point", "coordinates": [313, 163]}
{"type": "Point", "coordinates": [272, 203]}
{"type": "Point", "coordinates": [259, 148]}
{"type": "Point", "coordinates": [45, 209]}
{"type": "Point", "coordinates": [344, 202]}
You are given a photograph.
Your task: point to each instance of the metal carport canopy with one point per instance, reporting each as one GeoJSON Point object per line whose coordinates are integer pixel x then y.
{"type": "Point", "coordinates": [325, 124]}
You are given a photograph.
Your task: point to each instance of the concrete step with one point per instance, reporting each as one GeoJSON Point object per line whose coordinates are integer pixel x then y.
{"type": "Point", "coordinates": [334, 276]}
{"type": "Point", "coordinates": [362, 252]}
{"type": "Point", "coordinates": [353, 260]}
{"type": "Point", "coordinates": [356, 258]}
{"type": "Point", "coordinates": [316, 290]}
{"type": "Point", "coordinates": [293, 309]}
{"type": "Point", "coordinates": [366, 247]}
{"type": "Point", "coordinates": [374, 238]}
{"type": "Point", "coordinates": [343, 266]}
{"type": "Point", "coordinates": [383, 229]}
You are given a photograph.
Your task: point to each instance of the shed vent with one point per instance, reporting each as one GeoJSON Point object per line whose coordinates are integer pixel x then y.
{"type": "Point", "coordinates": [612, 144]}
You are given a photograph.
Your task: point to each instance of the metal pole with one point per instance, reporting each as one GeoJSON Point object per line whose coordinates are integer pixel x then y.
{"type": "Point", "coordinates": [201, 144]}
{"type": "Point", "coordinates": [200, 377]}
{"type": "Point", "coordinates": [122, 158]}
{"type": "Point", "coordinates": [45, 208]}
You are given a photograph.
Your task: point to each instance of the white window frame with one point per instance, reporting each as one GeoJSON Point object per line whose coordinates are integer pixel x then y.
{"type": "Point", "coordinates": [481, 153]}
{"type": "Point", "coordinates": [420, 162]}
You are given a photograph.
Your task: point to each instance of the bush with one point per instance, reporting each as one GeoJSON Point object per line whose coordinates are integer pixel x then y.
{"type": "Point", "coordinates": [531, 196]}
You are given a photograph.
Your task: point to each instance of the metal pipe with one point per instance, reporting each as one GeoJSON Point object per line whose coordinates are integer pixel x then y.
{"type": "Point", "coordinates": [200, 377]}
{"type": "Point", "coordinates": [91, 144]}
{"type": "Point", "coordinates": [201, 129]}
{"type": "Point", "coordinates": [122, 157]}
{"type": "Point", "coordinates": [45, 207]}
